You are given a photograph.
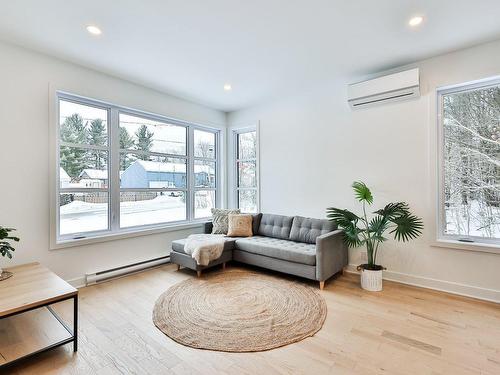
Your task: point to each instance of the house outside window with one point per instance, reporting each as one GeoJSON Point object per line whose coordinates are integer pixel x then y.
{"type": "Point", "coordinates": [121, 170]}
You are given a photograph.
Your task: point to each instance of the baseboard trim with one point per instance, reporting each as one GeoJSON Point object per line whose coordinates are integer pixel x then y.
{"type": "Point", "coordinates": [485, 294]}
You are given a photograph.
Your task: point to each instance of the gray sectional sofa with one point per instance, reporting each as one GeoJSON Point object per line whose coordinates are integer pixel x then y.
{"type": "Point", "coordinates": [310, 248]}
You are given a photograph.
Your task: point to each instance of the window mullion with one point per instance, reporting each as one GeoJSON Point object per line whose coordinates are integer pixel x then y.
{"type": "Point", "coordinates": [151, 153]}
{"type": "Point", "coordinates": [83, 146]}
{"type": "Point", "coordinates": [114, 181]}
{"type": "Point", "coordinates": [190, 174]}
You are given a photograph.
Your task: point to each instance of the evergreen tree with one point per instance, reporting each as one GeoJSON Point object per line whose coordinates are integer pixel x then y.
{"type": "Point", "coordinates": [97, 136]}
{"type": "Point", "coordinates": [126, 143]}
{"type": "Point", "coordinates": [73, 130]}
{"type": "Point", "coordinates": [144, 141]}
{"type": "Point", "coordinates": [97, 133]}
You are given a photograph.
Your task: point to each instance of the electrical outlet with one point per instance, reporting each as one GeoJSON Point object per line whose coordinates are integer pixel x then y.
{"type": "Point", "coordinates": [363, 256]}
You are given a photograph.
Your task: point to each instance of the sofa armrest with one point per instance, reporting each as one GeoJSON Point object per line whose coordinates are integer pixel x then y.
{"type": "Point", "coordinates": [207, 227]}
{"type": "Point", "coordinates": [331, 254]}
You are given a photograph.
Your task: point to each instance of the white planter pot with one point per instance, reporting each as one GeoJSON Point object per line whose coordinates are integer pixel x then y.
{"type": "Point", "coordinates": [371, 280]}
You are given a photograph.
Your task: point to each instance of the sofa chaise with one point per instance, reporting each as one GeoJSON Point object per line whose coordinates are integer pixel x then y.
{"type": "Point", "coordinates": [305, 247]}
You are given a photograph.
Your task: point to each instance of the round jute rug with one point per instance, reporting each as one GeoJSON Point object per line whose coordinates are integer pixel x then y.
{"type": "Point", "coordinates": [239, 311]}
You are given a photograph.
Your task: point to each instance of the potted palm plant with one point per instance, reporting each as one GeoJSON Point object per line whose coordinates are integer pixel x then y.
{"type": "Point", "coordinates": [6, 248]}
{"type": "Point", "coordinates": [361, 230]}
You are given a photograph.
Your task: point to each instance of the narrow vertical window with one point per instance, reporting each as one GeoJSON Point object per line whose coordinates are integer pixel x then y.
{"type": "Point", "coordinates": [470, 174]}
{"type": "Point", "coordinates": [205, 165]}
{"type": "Point", "coordinates": [246, 171]}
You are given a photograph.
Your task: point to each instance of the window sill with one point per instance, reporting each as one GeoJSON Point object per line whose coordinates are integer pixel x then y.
{"type": "Point", "coordinates": [62, 244]}
{"type": "Point", "coordinates": [479, 247]}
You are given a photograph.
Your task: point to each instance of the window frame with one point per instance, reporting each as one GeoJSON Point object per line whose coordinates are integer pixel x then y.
{"type": "Point", "coordinates": [116, 207]}
{"type": "Point", "coordinates": [235, 157]}
{"type": "Point", "coordinates": [191, 181]}
{"type": "Point", "coordinates": [452, 240]}
{"type": "Point", "coordinates": [113, 189]}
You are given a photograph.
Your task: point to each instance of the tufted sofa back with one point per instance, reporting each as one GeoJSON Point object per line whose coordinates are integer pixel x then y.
{"type": "Point", "coordinates": [294, 228]}
{"type": "Point", "coordinates": [276, 226]}
{"type": "Point", "coordinates": [305, 229]}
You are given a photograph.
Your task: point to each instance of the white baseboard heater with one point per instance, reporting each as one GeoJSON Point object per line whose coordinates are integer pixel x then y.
{"type": "Point", "coordinates": [96, 277]}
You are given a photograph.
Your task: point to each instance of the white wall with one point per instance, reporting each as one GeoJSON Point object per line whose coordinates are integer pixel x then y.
{"type": "Point", "coordinates": [312, 147]}
{"type": "Point", "coordinates": [24, 157]}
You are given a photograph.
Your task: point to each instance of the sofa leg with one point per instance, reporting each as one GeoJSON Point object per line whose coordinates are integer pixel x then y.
{"type": "Point", "coordinates": [342, 272]}
{"type": "Point", "coordinates": [178, 267]}
{"type": "Point", "coordinates": [198, 273]}
{"type": "Point", "coordinates": [224, 265]}
{"type": "Point", "coordinates": [321, 285]}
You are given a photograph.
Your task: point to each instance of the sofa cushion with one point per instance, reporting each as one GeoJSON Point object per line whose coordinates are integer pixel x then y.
{"type": "Point", "coordinates": [220, 219]}
{"type": "Point", "coordinates": [240, 225]}
{"type": "Point", "coordinates": [291, 251]}
{"type": "Point", "coordinates": [256, 223]}
{"type": "Point", "coordinates": [178, 245]}
{"type": "Point", "coordinates": [305, 229]}
{"type": "Point", "coordinates": [277, 226]}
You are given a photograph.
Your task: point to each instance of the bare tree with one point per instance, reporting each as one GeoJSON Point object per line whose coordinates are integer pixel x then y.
{"type": "Point", "coordinates": [472, 162]}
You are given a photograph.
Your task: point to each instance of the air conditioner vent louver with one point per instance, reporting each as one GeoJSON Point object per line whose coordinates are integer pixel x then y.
{"type": "Point", "coordinates": [390, 88]}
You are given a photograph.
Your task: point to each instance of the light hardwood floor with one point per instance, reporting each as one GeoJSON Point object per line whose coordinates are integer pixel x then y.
{"type": "Point", "coordinates": [402, 330]}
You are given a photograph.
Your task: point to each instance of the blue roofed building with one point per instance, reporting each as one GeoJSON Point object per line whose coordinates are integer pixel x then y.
{"type": "Point", "coordinates": [142, 174]}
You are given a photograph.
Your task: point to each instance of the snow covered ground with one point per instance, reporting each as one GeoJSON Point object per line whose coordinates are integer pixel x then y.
{"type": "Point", "coordinates": [159, 210]}
{"type": "Point", "coordinates": [472, 221]}
{"type": "Point", "coordinates": [78, 217]}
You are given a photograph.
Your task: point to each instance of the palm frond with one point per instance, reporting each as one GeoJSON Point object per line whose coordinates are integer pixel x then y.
{"type": "Point", "coordinates": [362, 193]}
{"type": "Point", "coordinates": [352, 236]}
{"type": "Point", "coordinates": [377, 237]}
{"type": "Point", "coordinates": [407, 227]}
{"type": "Point", "coordinates": [393, 210]}
{"type": "Point", "coordinates": [378, 225]}
{"type": "Point", "coordinates": [343, 218]}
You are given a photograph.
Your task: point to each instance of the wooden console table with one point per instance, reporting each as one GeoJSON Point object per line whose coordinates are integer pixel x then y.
{"type": "Point", "coordinates": [34, 287]}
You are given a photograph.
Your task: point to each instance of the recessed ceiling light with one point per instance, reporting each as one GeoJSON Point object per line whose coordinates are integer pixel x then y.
{"type": "Point", "coordinates": [94, 30]}
{"type": "Point", "coordinates": [227, 87]}
{"type": "Point", "coordinates": [415, 21]}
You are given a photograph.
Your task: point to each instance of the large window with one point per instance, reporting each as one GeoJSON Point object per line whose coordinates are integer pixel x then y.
{"type": "Point", "coordinates": [246, 179]}
{"type": "Point", "coordinates": [205, 165]}
{"type": "Point", "coordinates": [470, 170]}
{"type": "Point", "coordinates": [83, 168]}
{"type": "Point", "coordinates": [153, 171]}
{"type": "Point", "coordinates": [121, 170]}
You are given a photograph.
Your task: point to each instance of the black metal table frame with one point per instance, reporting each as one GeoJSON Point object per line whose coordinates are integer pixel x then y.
{"type": "Point", "coordinates": [73, 333]}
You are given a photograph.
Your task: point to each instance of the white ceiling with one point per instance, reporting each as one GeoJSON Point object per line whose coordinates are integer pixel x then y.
{"type": "Point", "coordinates": [264, 48]}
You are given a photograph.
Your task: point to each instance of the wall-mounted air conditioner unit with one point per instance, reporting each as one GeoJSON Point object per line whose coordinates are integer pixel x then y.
{"type": "Point", "coordinates": [393, 87]}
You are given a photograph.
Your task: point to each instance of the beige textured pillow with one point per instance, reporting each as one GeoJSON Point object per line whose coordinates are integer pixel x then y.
{"type": "Point", "coordinates": [239, 225]}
